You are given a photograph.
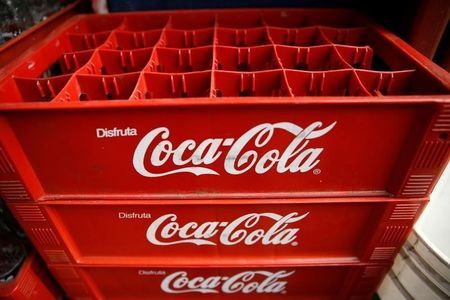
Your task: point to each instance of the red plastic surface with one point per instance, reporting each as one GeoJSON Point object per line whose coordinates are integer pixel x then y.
{"type": "Point", "coordinates": [31, 282]}
{"type": "Point", "coordinates": [370, 149]}
{"type": "Point", "coordinates": [250, 282]}
{"type": "Point", "coordinates": [222, 104]}
{"type": "Point", "coordinates": [189, 232]}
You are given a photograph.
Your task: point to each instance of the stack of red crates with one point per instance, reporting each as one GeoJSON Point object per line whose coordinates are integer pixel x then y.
{"type": "Point", "coordinates": [263, 154]}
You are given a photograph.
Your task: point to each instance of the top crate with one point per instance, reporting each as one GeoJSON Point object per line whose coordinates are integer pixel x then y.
{"type": "Point", "coordinates": [222, 103]}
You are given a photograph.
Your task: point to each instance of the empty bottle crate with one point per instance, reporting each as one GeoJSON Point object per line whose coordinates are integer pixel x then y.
{"type": "Point", "coordinates": [222, 104]}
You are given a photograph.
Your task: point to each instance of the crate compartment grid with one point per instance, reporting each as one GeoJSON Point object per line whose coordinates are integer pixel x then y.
{"type": "Point", "coordinates": [215, 75]}
{"type": "Point", "coordinates": [213, 55]}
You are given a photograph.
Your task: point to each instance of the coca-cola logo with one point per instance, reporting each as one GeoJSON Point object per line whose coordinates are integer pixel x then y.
{"type": "Point", "coordinates": [167, 231]}
{"type": "Point", "coordinates": [260, 282]}
{"type": "Point", "coordinates": [239, 155]}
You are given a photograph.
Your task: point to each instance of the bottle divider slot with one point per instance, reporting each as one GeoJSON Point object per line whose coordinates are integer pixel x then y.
{"type": "Point", "coordinates": [95, 87]}
{"type": "Point", "coordinates": [327, 83]}
{"type": "Point", "coordinates": [300, 37]}
{"type": "Point", "coordinates": [243, 37]}
{"type": "Point", "coordinates": [247, 59]}
{"type": "Point", "coordinates": [111, 62]}
{"type": "Point", "coordinates": [262, 84]}
{"type": "Point", "coordinates": [123, 40]}
{"type": "Point", "coordinates": [68, 63]}
{"type": "Point", "coordinates": [39, 89]}
{"type": "Point", "coordinates": [80, 41]}
{"type": "Point", "coordinates": [187, 39]}
{"type": "Point", "coordinates": [161, 85]}
{"type": "Point", "coordinates": [386, 83]}
{"type": "Point", "coordinates": [318, 58]}
{"type": "Point", "coordinates": [356, 57]}
{"type": "Point", "coordinates": [167, 60]}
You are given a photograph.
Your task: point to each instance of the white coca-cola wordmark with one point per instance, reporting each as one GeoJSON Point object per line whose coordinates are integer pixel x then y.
{"type": "Point", "coordinates": [244, 282]}
{"type": "Point", "coordinates": [242, 230]}
{"type": "Point", "coordinates": [191, 157]}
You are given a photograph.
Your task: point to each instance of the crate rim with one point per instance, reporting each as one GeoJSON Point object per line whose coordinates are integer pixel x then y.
{"type": "Point", "coordinates": [226, 101]}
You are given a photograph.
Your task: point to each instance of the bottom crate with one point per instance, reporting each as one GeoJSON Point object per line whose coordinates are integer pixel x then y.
{"type": "Point", "coordinates": [31, 282]}
{"type": "Point", "coordinates": [322, 282]}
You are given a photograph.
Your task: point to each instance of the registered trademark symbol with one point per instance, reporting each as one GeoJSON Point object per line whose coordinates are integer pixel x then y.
{"type": "Point", "coordinates": [317, 171]}
{"type": "Point", "coordinates": [294, 244]}
{"type": "Point", "coordinates": [283, 292]}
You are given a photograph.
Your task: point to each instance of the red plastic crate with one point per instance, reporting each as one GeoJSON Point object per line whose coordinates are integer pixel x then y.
{"type": "Point", "coordinates": [199, 232]}
{"type": "Point", "coordinates": [31, 282]}
{"type": "Point", "coordinates": [240, 282]}
{"type": "Point", "coordinates": [229, 103]}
